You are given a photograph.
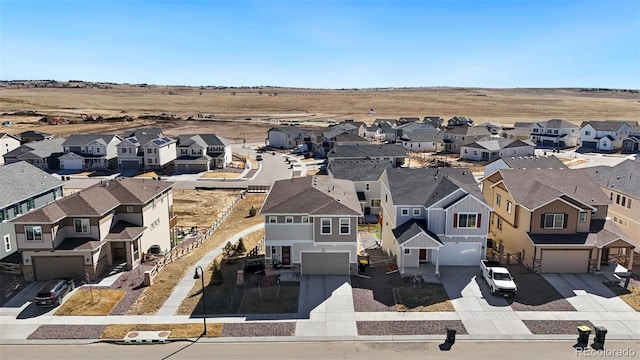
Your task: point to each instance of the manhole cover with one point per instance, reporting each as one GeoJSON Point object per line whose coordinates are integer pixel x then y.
{"type": "Point", "coordinates": [164, 333]}
{"type": "Point", "coordinates": [132, 334]}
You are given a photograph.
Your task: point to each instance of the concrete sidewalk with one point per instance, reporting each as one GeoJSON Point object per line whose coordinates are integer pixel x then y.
{"type": "Point", "coordinates": [181, 290]}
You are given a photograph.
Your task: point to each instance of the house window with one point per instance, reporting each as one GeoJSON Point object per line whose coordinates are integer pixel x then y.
{"type": "Point", "coordinates": [628, 203]}
{"type": "Point", "coordinates": [7, 243]}
{"type": "Point", "coordinates": [345, 226]}
{"type": "Point", "coordinates": [33, 233]}
{"type": "Point", "coordinates": [129, 209]}
{"type": "Point", "coordinates": [611, 196]}
{"type": "Point", "coordinates": [154, 203]}
{"type": "Point", "coordinates": [375, 202]}
{"type": "Point", "coordinates": [273, 250]}
{"type": "Point", "coordinates": [555, 131]}
{"type": "Point", "coordinates": [498, 200]}
{"type": "Point", "coordinates": [288, 219]}
{"type": "Point", "coordinates": [32, 204]}
{"type": "Point", "coordinates": [508, 207]}
{"type": "Point", "coordinates": [305, 219]}
{"type": "Point", "coordinates": [386, 198]}
{"type": "Point", "coordinates": [81, 226]}
{"type": "Point", "coordinates": [97, 150]}
{"type": "Point", "coordinates": [624, 201]}
{"type": "Point", "coordinates": [273, 219]}
{"type": "Point", "coordinates": [416, 212]}
{"type": "Point", "coordinates": [407, 251]}
{"type": "Point", "coordinates": [136, 250]}
{"type": "Point", "coordinates": [499, 225]}
{"type": "Point", "coordinates": [183, 151]}
{"type": "Point", "coordinates": [535, 130]}
{"type": "Point", "coordinates": [3, 215]}
{"type": "Point", "coordinates": [583, 217]}
{"type": "Point", "coordinates": [553, 221]}
{"type": "Point", "coordinates": [466, 220]}
{"type": "Point", "coordinates": [588, 133]}
{"type": "Point", "coordinates": [367, 187]}
{"type": "Point", "coordinates": [325, 226]}
{"type": "Point", "coordinates": [618, 199]}
{"type": "Point", "coordinates": [149, 151]}
{"type": "Point", "coordinates": [405, 212]}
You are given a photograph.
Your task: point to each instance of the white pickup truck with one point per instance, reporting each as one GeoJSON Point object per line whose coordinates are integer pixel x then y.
{"type": "Point", "coordinates": [499, 279]}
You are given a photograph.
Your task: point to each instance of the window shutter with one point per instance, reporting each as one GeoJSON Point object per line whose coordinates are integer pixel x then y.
{"type": "Point", "coordinates": [542, 221]}
{"type": "Point", "coordinates": [455, 220]}
{"type": "Point", "coordinates": [565, 218]}
{"type": "Point", "coordinates": [479, 223]}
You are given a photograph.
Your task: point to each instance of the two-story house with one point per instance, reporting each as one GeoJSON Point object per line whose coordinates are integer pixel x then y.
{"type": "Point", "coordinates": [632, 143]}
{"type": "Point", "coordinates": [202, 152]}
{"type": "Point", "coordinates": [434, 215]}
{"type": "Point", "coordinates": [311, 225]}
{"type": "Point", "coordinates": [488, 149]}
{"type": "Point", "coordinates": [555, 219]}
{"type": "Point", "coordinates": [90, 152]}
{"type": "Point", "coordinates": [146, 149]}
{"type": "Point", "coordinates": [110, 223]}
{"type": "Point", "coordinates": [555, 133]}
{"type": "Point", "coordinates": [456, 137]}
{"type": "Point", "coordinates": [43, 154]}
{"type": "Point", "coordinates": [604, 135]}
{"type": "Point", "coordinates": [365, 175]}
{"type": "Point", "coordinates": [286, 137]}
{"type": "Point", "coordinates": [24, 188]}
{"type": "Point", "coordinates": [8, 143]}
{"type": "Point", "coordinates": [621, 183]}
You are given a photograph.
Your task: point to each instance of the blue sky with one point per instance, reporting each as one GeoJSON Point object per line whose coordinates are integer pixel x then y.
{"type": "Point", "coordinates": [324, 43]}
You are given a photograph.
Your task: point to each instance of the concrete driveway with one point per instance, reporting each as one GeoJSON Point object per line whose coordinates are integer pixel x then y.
{"type": "Point", "coordinates": [327, 302]}
{"type": "Point", "coordinates": [586, 292]}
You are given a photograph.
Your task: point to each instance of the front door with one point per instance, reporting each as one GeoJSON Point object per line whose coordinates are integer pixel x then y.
{"type": "Point", "coordinates": [604, 260]}
{"type": "Point", "coordinates": [286, 255]}
{"type": "Point", "coordinates": [423, 255]}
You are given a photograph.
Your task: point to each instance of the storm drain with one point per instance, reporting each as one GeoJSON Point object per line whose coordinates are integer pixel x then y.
{"type": "Point", "coordinates": [146, 337]}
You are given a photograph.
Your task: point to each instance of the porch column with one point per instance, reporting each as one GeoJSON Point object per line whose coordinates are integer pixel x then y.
{"type": "Point", "coordinates": [437, 263]}
{"type": "Point", "coordinates": [630, 263]}
{"type": "Point", "coordinates": [599, 259]}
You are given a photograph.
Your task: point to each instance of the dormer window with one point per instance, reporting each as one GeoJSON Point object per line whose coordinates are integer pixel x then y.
{"type": "Point", "coordinates": [81, 226]}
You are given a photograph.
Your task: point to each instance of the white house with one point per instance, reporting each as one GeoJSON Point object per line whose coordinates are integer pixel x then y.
{"type": "Point", "coordinates": [90, 152]}
{"type": "Point", "coordinates": [8, 143]}
{"type": "Point", "coordinates": [555, 133]}
{"type": "Point", "coordinates": [604, 135]}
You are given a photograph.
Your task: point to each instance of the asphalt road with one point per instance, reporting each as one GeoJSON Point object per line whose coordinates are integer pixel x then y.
{"type": "Point", "coordinates": [324, 350]}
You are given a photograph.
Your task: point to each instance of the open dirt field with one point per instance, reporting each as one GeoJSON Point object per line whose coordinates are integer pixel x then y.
{"type": "Point", "coordinates": [201, 208]}
{"type": "Point", "coordinates": [254, 110]}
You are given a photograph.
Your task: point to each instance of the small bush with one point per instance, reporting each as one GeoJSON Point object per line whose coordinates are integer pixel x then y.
{"type": "Point", "coordinates": [252, 212]}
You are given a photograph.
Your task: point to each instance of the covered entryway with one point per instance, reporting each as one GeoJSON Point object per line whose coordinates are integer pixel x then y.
{"type": "Point", "coordinates": [460, 254]}
{"type": "Point", "coordinates": [565, 261]}
{"type": "Point", "coordinates": [53, 267]}
{"type": "Point", "coordinates": [325, 263]}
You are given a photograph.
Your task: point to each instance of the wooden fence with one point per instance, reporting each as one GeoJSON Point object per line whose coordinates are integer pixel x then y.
{"type": "Point", "coordinates": [505, 258]}
{"type": "Point", "coordinates": [183, 249]}
{"type": "Point", "coordinates": [10, 268]}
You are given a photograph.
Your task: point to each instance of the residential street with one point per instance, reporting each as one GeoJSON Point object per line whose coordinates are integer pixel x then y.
{"type": "Point", "coordinates": [325, 350]}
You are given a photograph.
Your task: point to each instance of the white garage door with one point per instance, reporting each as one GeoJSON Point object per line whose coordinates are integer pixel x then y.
{"type": "Point", "coordinates": [53, 267]}
{"type": "Point", "coordinates": [564, 261]}
{"type": "Point", "coordinates": [325, 264]}
{"type": "Point", "coordinates": [72, 164]}
{"type": "Point", "coordinates": [461, 254]}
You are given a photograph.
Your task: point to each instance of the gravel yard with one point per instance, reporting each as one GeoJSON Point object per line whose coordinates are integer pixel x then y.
{"type": "Point", "coordinates": [61, 332]}
{"type": "Point", "coordinates": [535, 293]}
{"type": "Point", "coordinates": [408, 327]}
{"type": "Point", "coordinates": [376, 293]}
{"type": "Point", "coordinates": [556, 326]}
{"type": "Point", "coordinates": [131, 281]}
{"type": "Point", "coordinates": [259, 329]}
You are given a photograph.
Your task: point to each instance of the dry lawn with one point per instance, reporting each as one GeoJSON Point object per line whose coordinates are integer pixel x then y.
{"type": "Point", "coordinates": [201, 208]}
{"type": "Point", "coordinates": [253, 111]}
{"type": "Point", "coordinates": [104, 300]}
{"type": "Point", "coordinates": [177, 330]}
{"type": "Point", "coordinates": [631, 295]}
{"type": "Point", "coordinates": [154, 296]}
{"type": "Point", "coordinates": [213, 293]}
{"type": "Point", "coordinates": [150, 174]}
{"type": "Point", "coordinates": [220, 175]}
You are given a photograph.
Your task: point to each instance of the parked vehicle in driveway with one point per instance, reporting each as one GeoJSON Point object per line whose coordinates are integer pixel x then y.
{"type": "Point", "coordinates": [499, 279]}
{"type": "Point", "coordinates": [53, 291]}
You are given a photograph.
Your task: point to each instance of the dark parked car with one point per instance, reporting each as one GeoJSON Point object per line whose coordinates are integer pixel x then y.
{"type": "Point", "coordinates": [53, 291]}
{"type": "Point", "coordinates": [254, 266]}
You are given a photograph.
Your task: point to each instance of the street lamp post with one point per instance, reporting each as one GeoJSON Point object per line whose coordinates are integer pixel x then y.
{"type": "Point", "coordinates": [200, 275]}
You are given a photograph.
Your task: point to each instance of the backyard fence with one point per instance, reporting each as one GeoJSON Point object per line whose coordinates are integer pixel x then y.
{"type": "Point", "coordinates": [183, 249]}
{"type": "Point", "coordinates": [505, 258]}
{"type": "Point", "coordinates": [10, 268]}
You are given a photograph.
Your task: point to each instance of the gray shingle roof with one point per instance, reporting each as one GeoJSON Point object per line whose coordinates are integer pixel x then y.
{"type": "Point", "coordinates": [411, 228]}
{"type": "Point", "coordinates": [347, 137]}
{"type": "Point", "coordinates": [534, 162]}
{"type": "Point", "coordinates": [601, 233]}
{"type": "Point", "coordinates": [607, 125]}
{"type": "Point", "coordinates": [358, 170]}
{"type": "Point", "coordinates": [532, 187]}
{"type": "Point", "coordinates": [98, 199]}
{"type": "Point", "coordinates": [624, 177]}
{"type": "Point", "coordinates": [84, 139]}
{"type": "Point", "coordinates": [468, 131]}
{"type": "Point", "coordinates": [426, 186]}
{"type": "Point", "coordinates": [421, 135]}
{"type": "Point", "coordinates": [288, 129]}
{"type": "Point", "coordinates": [144, 135]}
{"type": "Point", "coordinates": [313, 195]}
{"type": "Point", "coordinates": [203, 140]}
{"type": "Point", "coordinates": [558, 124]}
{"type": "Point", "coordinates": [41, 149]}
{"type": "Point", "coordinates": [367, 151]}
{"type": "Point", "coordinates": [497, 144]}
{"type": "Point", "coordinates": [21, 180]}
